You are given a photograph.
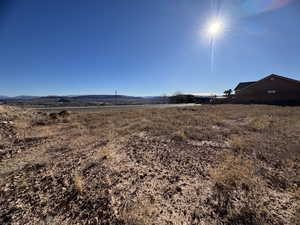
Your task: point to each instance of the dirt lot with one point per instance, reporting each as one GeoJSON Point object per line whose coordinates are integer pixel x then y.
{"type": "Point", "coordinates": [208, 165]}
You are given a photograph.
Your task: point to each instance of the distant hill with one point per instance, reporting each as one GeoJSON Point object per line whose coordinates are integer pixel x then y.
{"type": "Point", "coordinates": [18, 97]}
{"type": "Point", "coordinates": [25, 97]}
{"type": "Point", "coordinates": [105, 97]}
{"type": "Point", "coordinates": [81, 100]}
{"type": "Point", "coordinates": [3, 97]}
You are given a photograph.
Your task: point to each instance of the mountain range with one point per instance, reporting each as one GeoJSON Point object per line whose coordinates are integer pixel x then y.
{"type": "Point", "coordinates": [79, 100]}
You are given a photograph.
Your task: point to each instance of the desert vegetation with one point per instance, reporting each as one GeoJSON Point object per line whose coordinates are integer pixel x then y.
{"type": "Point", "coordinates": [209, 164]}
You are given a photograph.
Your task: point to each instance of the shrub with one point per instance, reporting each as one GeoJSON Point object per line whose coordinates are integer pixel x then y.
{"type": "Point", "coordinates": [53, 116]}
{"type": "Point", "coordinates": [64, 113]}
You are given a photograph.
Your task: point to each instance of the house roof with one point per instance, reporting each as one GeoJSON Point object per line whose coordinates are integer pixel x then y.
{"type": "Point", "coordinates": [243, 85]}
{"type": "Point", "coordinates": [248, 84]}
{"type": "Point", "coordinates": [281, 77]}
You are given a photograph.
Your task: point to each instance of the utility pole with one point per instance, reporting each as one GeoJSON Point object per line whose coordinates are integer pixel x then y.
{"type": "Point", "coordinates": [116, 93]}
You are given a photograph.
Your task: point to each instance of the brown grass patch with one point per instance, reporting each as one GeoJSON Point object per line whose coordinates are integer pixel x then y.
{"type": "Point", "coordinates": [261, 122]}
{"type": "Point", "coordinates": [238, 143]}
{"type": "Point", "coordinates": [138, 212]}
{"type": "Point", "coordinates": [235, 171]}
{"type": "Point", "coordinates": [239, 192]}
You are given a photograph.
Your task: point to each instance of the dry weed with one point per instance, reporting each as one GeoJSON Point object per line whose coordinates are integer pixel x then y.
{"type": "Point", "coordinates": [238, 143]}
{"type": "Point", "coordinates": [78, 182]}
{"type": "Point", "coordinates": [105, 152]}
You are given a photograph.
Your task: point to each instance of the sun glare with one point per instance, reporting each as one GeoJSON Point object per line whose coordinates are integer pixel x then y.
{"type": "Point", "coordinates": [215, 29]}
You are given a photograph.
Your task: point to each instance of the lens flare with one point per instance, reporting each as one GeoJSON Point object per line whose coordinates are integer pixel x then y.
{"type": "Point", "coordinates": [215, 29]}
{"type": "Point", "coordinates": [258, 6]}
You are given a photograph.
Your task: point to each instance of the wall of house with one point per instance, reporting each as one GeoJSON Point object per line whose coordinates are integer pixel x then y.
{"type": "Point", "coordinates": [271, 90]}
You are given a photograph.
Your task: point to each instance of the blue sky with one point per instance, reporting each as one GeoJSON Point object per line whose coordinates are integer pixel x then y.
{"type": "Point", "coordinates": [142, 47]}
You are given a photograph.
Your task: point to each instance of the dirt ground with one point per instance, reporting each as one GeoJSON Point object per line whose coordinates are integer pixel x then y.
{"type": "Point", "coordinates": [199, 165]}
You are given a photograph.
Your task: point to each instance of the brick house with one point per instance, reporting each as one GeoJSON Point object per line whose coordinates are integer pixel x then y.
{"type": "Point", "coordinates": [273, 89]}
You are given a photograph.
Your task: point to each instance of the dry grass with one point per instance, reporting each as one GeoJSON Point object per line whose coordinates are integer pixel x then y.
{"type": "Point", "coordinates": [121, 155]}
{"type": "Point", "coordinates": [137, 213]}
{"type": "Point", "coordinates": [297, 214]}
{"type": "Point", "coordinates": [261, 122]}
{"type": "Point", "coordinates": [235, 172]}
{"type": "Point", "coordinates": [238, 143]}
{"type": "Point", "coordinates": [78, 182]}
{"type": "Point", "coordinates": [233, 175]}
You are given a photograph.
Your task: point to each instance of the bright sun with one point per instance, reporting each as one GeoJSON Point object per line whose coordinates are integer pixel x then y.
{"type": "Point", "coordinates": [215, 29]}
